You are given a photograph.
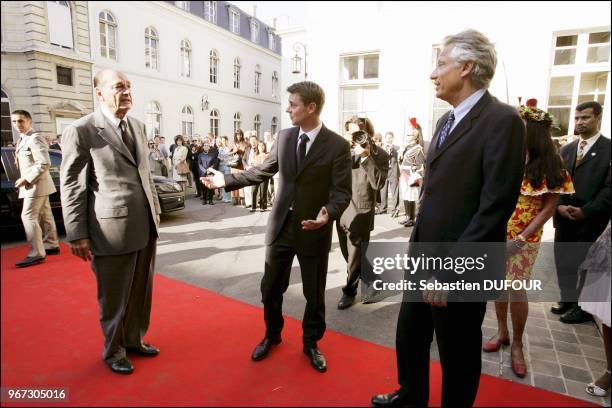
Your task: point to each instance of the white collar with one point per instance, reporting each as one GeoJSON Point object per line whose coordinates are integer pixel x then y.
{"type": "Point", "coordinates": [591, 140]}
{"type": "Point", "coordinates": [467, 104]}
{"type": "Point", "coordinates": [313, 133]}
{"type": "Point", "coordinates": [111, 117]}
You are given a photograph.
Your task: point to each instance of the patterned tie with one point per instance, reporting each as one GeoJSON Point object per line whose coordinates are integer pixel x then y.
{"type": "Point", "coordinates": [301, 152]}
{"type": "Point", "coordinates": [580, 155]}
{"type": "Point", "coordinates": [446, 129]}
{"type": "Point", "coordinates": [127, 138]}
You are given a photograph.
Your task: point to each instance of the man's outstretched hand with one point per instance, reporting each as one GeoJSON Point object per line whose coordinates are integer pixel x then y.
{"type": "Point", "coordinates": [322, 219]}
{"type": "Point", "coordinates": [217, 180]}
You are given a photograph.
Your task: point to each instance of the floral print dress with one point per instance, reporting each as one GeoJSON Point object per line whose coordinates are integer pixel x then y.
{"type": "Point", "coordinates": [529, 205]}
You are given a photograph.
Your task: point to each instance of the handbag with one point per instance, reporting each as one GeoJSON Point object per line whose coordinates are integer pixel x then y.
{"type": "Point", "coordinates": [415, 179]}
{"type": "Point", "coordinates": [234, 161]}
{"type": "Point", "coordinates": [182, 168]}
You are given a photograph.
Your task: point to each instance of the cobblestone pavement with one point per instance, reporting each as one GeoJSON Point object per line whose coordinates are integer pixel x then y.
{"type": "Point", "coordinates": [221, 248]}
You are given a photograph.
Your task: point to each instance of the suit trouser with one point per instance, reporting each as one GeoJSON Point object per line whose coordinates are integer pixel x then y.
{"type": "Point", "coordinates": [459, 338]}
{"type": "Point", "coordinates": [125, 289]}
{"type": "Point", "coordinates": [351, 245]}
{"type": "Point", "coordinates": [262, 190]}
{"type": "Point", "coordinates": [279, 257]}
{"type": "Point", "coordinates": [196, 179]}
{"type": "Point", "coordinates": [39, 225]}
{"type": "Point", "coordinates": [392, 183]}
{"type": "Point", "coordinates": [570, 252]}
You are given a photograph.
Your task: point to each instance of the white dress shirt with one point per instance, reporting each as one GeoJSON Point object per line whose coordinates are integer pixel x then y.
{"type": "Point", "coordinates": [589, 143]}
{"type": "Point", "coordinates": [311, 136]}
{"type": "Point", "coordinates": [114, 121]}
{"type": "Point", "coordinates": [466, 106]}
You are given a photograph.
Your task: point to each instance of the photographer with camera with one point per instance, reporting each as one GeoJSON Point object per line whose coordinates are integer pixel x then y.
{"type": "Point", "coordinates": [369, 173]}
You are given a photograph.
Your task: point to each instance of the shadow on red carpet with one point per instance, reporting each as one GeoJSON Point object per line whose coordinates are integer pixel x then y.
{"type": "Point", "coordinates": [51, 338]}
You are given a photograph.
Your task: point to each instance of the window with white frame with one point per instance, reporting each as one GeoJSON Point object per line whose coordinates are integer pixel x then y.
{"type": "Point", "coordinates": [182, 5]}
{"type": "Point", "coordinates": [359, 67]}
{"type": "Point", "coordinates": [214, 122]}
{"type": "Point", "coordinates": [151, 48]}
{"type": "Point", "coordinates": [359, 100]}
{"type": "Point", "coordinates": [274, 84]}
{"type": "Point", "coordinates": [234, 21]}
{"type": "Point", "coordinates": [153, 119]}
{"type": "Point", "coordinates": [274, 125]}
{"type": "Point", "coordinates": [59, 16]}
{"type": "Point", "coordinates": [108, 35]}
{"type": "Point", "coordinates": [185, 58]}
{"type": "Point", "coordinates": [236, 73]}
{"type": "Point", "coordinates": [439, 107]}
{"type": "Point", "coordinates": [257, 125]}
{"type": "Point", "coordinates": [237, 121]}
{"type": "Point", "coordinates": [210, 11]}
{"type": "Point", "coordinates": [580, 72]}
{"type": "Point", "coordinates": [187, 121]}
{"type": "Point", "coordinates": [257, 78]}
{"type": "Point", "coordinates": [254, 31]}
{"type": "Point", "coordinates": [271, 40]}
{"type": "Point", "coordinates": [214, 66]}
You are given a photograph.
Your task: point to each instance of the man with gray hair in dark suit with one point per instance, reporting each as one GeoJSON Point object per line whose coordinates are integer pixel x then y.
{"type": "Point", "coordinates": [485, 138]}
{"type": "Point", "coordinates": [111, 215]}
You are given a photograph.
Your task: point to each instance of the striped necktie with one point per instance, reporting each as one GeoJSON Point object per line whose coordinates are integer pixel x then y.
{"type": "Point", "coordinates": [446, 129]}
{"type": "Point", "coordinates": [580, 155]}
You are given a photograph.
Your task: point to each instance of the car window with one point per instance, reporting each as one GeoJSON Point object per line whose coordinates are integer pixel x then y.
{"type": "Point", "coordinates": [3, 175]}
{"type": "Point", "coordinates": [56, 162]}
{"type": "Point", "coordinates": [8, 164]}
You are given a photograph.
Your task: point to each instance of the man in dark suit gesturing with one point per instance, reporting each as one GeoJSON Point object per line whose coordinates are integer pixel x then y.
{"type": "Point", "coordinates": [473, 174]}
{"type": "Point", "coordinates": [315, 178]}
{"type": "Point", "coordinates": [111, 215]}
{"type": "Point", "coordinates": [581, 217]}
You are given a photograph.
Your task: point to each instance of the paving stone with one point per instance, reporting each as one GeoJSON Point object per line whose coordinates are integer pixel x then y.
{"type": "Point", "coordinates": [490, 368]}
{"type": "Point", "coordinates": [540, 342]}
{"type": "Point", "coordinates": [557, 325]}
{"type": "Point", "coordinates": [564, 336]}
{"type": "Point", "coordinates": [537, 322]}
{"type": "Point", "coordinates": [545, 367]}
{"type": "Point", "coordinates": [546, 382]}
{"type": "Point", "coordinates": [590, 340]}
{"type": "Point", "coordinates": [588, 329]}
{"type": "Point", "coordinates": [572, 360]}
{"type": "Point", "coordinates": [540, 353]}
{"type": "Point", "coordinates": [597, 367]}
{"type": "Point", "coordinates": [538, 331]}
{"type": "Point", "coordinates": [567, 347]}
{"type": "Point", "coordinates": [593, 352]}
{"type": "Point", "coordinates": [576, 374]}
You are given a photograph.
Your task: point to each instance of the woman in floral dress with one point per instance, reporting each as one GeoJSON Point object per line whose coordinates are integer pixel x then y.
{"type": "Point", "coordinates": [545, 179]}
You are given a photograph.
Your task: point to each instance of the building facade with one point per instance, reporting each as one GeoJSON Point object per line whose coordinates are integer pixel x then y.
{"type": "Point", "coordinates": [195, 67]}
{"type": "Point", "coordinates": [46, 64]}
{"type": "Point", "coordinates": [384, 52]}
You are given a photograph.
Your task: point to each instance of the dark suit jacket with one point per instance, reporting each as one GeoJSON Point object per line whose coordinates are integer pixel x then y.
{"type": "Point", "coordinates": [324, 179]}
{"type": "Point", "coordinates": [368, 178]}
{"type": "Point", "coordinates": [592, 184]}
{"type": "Point", "coordinates": [472, 182]}
{"type": "Point", "coordinates": [393, 163]}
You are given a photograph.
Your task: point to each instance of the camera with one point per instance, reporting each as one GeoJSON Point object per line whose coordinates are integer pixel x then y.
{"type": "Point", "coordinates": [360, 138]}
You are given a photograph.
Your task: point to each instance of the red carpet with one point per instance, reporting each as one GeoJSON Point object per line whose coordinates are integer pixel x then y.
{"type": "Point", "coordinates": [51, 337]}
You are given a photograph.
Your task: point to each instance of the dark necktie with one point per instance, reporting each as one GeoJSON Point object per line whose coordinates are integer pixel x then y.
{"type": "Point", "coordinates": [301, 152]}
{"type": "Point", "coordinates": [446, 129]}
{"type": "Point", "coordinates": [580, 155]}
{"type": "Point", "coordinates": [127, 138]}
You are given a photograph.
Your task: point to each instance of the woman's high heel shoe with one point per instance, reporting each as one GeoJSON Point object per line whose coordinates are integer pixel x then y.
{"type": "Point", "coordinates": [491, 346]}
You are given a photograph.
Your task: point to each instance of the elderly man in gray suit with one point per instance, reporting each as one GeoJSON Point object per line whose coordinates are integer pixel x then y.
{"type": "Point", "coordinates": [111, 214]}
{"type": "Point", "coordinates": [35, 185]}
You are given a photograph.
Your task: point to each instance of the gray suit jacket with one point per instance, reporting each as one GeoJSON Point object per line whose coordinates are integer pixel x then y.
{"type": "Point", "coordinates": [32, 157]}
{"type": "Point", "coordinates": [107, 196]}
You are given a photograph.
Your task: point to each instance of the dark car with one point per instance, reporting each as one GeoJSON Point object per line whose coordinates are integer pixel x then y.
{"type": "Point", "coordinates": [171, 197]}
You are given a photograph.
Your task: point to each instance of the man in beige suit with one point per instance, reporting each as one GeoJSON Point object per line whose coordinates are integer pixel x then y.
{"type": "Point", "coordinates": [111, 214]}
{"type": "Point", "coordinates": [35, 185]}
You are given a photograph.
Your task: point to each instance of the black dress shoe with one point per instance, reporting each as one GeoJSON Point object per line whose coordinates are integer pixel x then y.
{"type": "Point", "coordinates": [122, 366]}
{"type": "Point", "coordinates": [404, 221]}
{"type": "Point", "coordinates": [576, 315]}
{"type": "Point", "coordinates": [346, 301]}
{"type": "Point", "coordinates": [317, 360]}
{"type": "Point", "coordinates": [53, 251]}
{"type": "Point", "coordinates": [409, 223]}
{"type": "Point", "coordinates": [561, 308]}
{"type": "Point", "coordinates": [145, 350]}
{"type": "Point", "coordinates": [29, 261]}
{"type": "Point", "coordinates": [263, 348]}
{"type": "Point", "coordinates": [394, 399]}
{"type": "Point", "coordinates": [211, 202]}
